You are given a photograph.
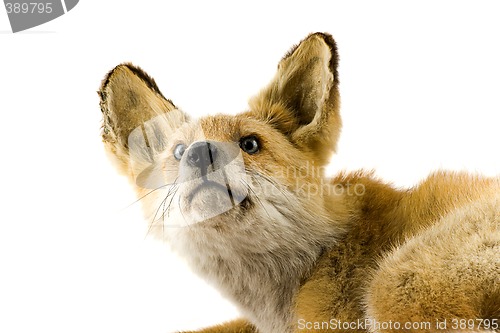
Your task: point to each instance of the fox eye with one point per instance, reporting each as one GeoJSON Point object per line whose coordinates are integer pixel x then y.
{"type": "Point", "coordinates": [249, 144]}
{"type": "Point", "coordinates": [179, 151]}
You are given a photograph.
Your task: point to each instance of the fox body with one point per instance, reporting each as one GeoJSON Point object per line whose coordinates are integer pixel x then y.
{"type": "Point", "coordinates": [246, 201]}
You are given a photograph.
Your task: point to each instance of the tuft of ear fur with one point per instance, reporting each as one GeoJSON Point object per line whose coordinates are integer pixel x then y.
{"type": "Point", "coordinates": [302, 100]}
{"type": "Point", "coordinates": [136, 118]}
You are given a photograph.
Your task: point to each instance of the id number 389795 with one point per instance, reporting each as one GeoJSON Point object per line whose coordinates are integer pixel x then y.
{"type": "Point", "coordinates": [29, 7]}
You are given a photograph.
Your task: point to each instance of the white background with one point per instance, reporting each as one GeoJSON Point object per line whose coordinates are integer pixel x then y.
{"type": "Point", "coordinates": [420, 84]}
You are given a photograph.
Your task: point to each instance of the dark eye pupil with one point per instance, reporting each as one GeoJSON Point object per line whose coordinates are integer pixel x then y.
{"type": "Point", "coordinates": [249, 145]}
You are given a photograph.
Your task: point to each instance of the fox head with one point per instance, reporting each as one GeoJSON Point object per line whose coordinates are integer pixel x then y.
{"type": "Point", "coordinates": [255, 178]}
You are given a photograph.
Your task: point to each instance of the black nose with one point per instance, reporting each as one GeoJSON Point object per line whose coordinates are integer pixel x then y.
{"type": "Point", "coordinates": [202, 154]}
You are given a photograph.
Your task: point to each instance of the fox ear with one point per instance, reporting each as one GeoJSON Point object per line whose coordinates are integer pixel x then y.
{"type": "Point", "coordinates": [303, 100]}
{"type": "Point", "coordinates": [137, 119]}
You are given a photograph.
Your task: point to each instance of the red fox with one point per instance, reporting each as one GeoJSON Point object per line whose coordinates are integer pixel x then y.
{"type": "Point", "coordinates": [246, 201]}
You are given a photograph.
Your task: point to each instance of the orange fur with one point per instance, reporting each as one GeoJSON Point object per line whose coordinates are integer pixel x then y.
{"type": "Point", "coordinates": [294, 250]}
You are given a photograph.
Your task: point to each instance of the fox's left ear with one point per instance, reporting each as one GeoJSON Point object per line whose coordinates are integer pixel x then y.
{"type": "Point", "coordinates": [303, 100]}
{"type": "Point", "coordinates": [137, 120]}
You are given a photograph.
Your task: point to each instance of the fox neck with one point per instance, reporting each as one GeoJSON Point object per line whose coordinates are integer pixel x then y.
{"type": "Point", "coordinates": [260, 268]}
{"type": "Point", "coordinates": [259, 284]}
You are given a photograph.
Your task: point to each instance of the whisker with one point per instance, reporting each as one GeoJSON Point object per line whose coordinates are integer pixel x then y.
{"type": "Point", "coordinates": [256, 197]}
{"type": "Point", "coordinates": [171, 199]}
{"type": "Point", "coordinates": [180, 210]}
{"type": "Point", "coordinates": [145, 195]}
{"type": "Point", "coordinates": [278, 187]}
{"type": "Point", "coordinates": [162, 204]}
{"type": "Point", "coordinates": [153, 221]}
{"type": "Point", "coordinates": [163, 220]}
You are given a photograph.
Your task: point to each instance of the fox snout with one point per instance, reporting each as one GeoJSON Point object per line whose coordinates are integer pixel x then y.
{"type": "Point", "coordinates": [211, 178]}
{"type": "Point", "coordinates": [204, 178]}
{"type": "Point", "coordinates": [202, 155]}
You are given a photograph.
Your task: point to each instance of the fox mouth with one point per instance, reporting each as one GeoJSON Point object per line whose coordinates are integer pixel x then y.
{"type": "Point", "coordinates": [210, 186]}
{"type": "Point", "coordinates": [212, 198]}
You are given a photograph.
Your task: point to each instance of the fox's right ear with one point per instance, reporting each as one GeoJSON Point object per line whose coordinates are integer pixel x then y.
{"type": "Point", "coordinates": [303, 99]}
{"type": "Point", "coordinates": [137, 118]}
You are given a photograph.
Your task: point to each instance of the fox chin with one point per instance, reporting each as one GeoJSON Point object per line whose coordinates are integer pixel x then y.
{"type": "Point", "coordinates": [246, 200]}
